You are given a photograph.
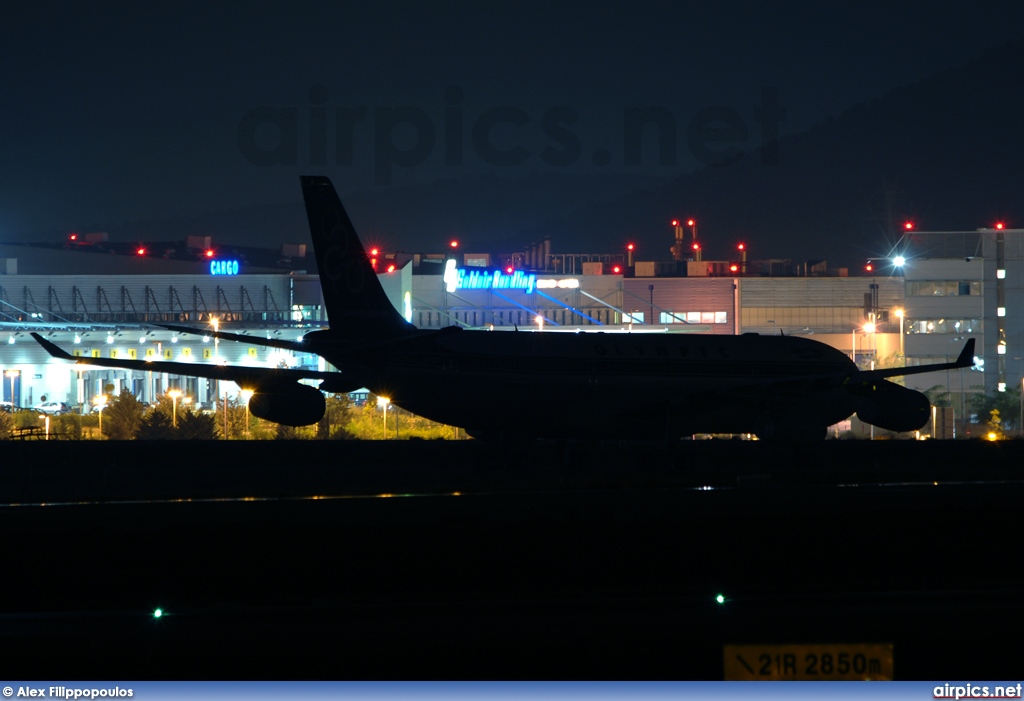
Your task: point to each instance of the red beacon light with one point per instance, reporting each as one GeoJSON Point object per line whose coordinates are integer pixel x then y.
{"type": "Point", "coordinates": [374, 252]}
{"type": "Point", "coordinates": [690, 222]}
{"type": "Point", "coordinates": [908, 225]}
{"type": "Point", "coordinates": [616, 269]}
{"type": "Point", "coordinates": [696, 246]}
{"type": "Point", "coordinates": [73, 237]}
{"type": "Point", "coordinates": [510, 270]}
{"type": "Point", "coordinates": [675, 222]}
{"type": "Point", "coordinates": [141, 251]}
{"type": "Point", "coordinates": [733, 268]}
{"type": "Point", "coordinates": [741, 247]}
{"type": "Point", "coordinates": [209, 253]}
{"type": "Point", "coordinates": [869, 267]}
{"type": "Point", "coordinates": [454, 244]}
{"type": "Point", "coordinates": [999, 225]}
{"type": "Point", "coordinates": [391, 268]}
{"type": "Point", "coordinates": [630, 247]}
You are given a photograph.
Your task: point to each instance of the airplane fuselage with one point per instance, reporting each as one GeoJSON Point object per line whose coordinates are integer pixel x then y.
{"type": "Point", "coordinates": [605, 385]}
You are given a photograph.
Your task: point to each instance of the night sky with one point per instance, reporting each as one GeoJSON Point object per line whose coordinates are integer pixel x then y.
{"type": "Point", "coordinates": [115, 111]}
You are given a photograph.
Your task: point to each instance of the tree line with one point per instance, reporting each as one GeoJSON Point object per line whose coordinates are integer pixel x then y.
{"type": "Point", "coordinates": [126, 418]}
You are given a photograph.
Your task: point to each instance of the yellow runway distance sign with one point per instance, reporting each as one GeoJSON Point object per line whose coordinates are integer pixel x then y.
{"type": "Point", "coordinates": [839, 662]}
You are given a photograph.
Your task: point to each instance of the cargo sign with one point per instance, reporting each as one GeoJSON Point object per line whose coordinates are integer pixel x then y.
{"type": "Point", "coordinates": [223, 267]}
{"type": "Point", "coordinates": [851, 662]}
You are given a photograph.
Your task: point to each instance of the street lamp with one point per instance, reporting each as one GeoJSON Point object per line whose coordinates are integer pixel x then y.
{"type": "Point", "coordinates": [870, 327]}
{"type": "Point", "coordinates": [216, 358]}
{"type": "Point", "coordinates": [80, 389]}
{"type": "Point", "coordinates": [384, 401]}
{"type": "Point", "coordinates": [867, 328]}
{"type": "Point", "coordinates": [899, 315]}
{"type": "Point", "coordinates": [246, 395]}
{"type": "Point", "coordinates": [949, 389]}
{"type": "Point", "coordinates": [100, 400]}
{"type": "Point", "coordinates": [12, 374]}
{"type": "Point", "coordinates": [174, 394]}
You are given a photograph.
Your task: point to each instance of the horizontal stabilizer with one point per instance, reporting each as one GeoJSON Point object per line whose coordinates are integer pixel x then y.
{"type": "Point", "coordinates": [966, 357]}
{"type": "Point", "coordinates": [964, 360]}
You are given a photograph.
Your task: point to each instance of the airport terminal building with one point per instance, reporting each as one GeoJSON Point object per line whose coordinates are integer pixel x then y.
{"type": "Point", "coordinates": [959, 285]}
{"type": "Point", "coordinates": [96, 305]}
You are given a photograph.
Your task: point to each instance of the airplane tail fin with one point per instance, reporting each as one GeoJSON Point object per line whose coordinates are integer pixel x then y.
{"type": "Point", "coordinates": [355, 301]}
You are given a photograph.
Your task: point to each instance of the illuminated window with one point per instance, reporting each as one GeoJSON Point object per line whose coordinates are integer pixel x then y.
{"type": "Point", "coordinates": [721, 317]}
{"type": "Point", "coordinates": [1001, 349]}
{"type": "Point", "coordinates": [944, 326]}
{"type": "Point", "coordinates": [942, 288]}
{"type": "Point", "coordinates": [1000, 274]}
{"type": "Point", "coordinates": [1000, 311]}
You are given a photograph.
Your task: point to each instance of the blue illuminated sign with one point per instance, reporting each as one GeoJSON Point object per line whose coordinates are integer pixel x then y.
{"type": "Point", "coordinates": [223, 267]}
{"type": "Point", "coordinates": [462, 279]}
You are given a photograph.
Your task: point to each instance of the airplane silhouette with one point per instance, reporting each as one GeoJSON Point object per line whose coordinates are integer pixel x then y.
{"type": "Point", "coordinates": [517, 384]}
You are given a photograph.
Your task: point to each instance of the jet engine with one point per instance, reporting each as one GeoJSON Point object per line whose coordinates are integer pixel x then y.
{"type": "Point", "coordinates": [890, 406]}
{"type": "Point", "coordinates": [292, 404]}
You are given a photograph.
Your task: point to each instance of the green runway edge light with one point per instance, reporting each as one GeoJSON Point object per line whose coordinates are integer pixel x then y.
{"type": "Point", "coordinates": [158, 613]}
{"type": "Point", "coordinates": [720, 598]}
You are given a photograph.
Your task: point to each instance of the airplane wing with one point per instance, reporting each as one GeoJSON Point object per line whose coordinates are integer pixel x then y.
{"type": "Point", "coordinates": [246, 377]}
{"type": "Point", "coordinates": [297, 346]}
{"type": "Point", "coordinates": [307, 346]}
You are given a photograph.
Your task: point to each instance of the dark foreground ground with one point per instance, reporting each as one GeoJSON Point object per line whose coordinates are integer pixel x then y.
{"type": "Point", "coordinates": [459, 560]}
